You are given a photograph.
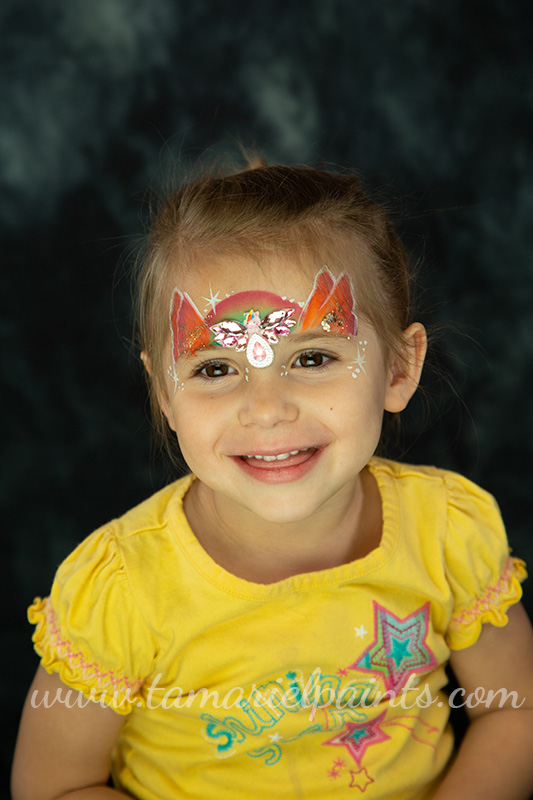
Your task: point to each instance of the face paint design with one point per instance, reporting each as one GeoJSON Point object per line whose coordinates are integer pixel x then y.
{"type": "Point", "coordinates": [172, 371]}
{"type": "Point", "coordinates": [256, 335]}
{"type": "Point", "coordinates": [330, 307]}
{"type": "Point", "coordinates": [359, 361]}
{"type": "Point", "coordinates": [259, 330]}
{"type": "Point", "coordinates": [188, 329]}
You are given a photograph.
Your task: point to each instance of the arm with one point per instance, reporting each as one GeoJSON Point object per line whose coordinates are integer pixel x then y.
{"type": "Point", "coordinates": [494, 760]}
{"type": "Point", "coordinates": [63, 753]}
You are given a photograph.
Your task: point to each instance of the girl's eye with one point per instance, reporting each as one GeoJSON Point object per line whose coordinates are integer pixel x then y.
{"type": "Point", "coordinates": [215, 369]}
{"type": "Point", "coordinates": [313, 359]}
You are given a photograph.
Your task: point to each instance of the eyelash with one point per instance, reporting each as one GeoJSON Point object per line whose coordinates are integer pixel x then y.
{"type": "Point", "coordinates": [198, 372]}
{"type": "Point", "coordinates": [329, 358]}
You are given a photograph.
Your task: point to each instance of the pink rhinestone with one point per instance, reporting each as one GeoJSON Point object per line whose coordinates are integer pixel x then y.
{"type": "Point", "coordinates": [259, 352]}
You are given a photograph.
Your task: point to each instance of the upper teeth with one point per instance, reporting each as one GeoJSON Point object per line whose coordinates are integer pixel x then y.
{"type": "Point", "coordinates": [281, 456]}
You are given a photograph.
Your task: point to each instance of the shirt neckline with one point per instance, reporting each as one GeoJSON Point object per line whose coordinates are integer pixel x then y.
{"type": "Point", "coordinates": [239, 587]}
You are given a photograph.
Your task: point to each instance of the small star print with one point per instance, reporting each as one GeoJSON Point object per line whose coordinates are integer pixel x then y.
{"type": "Point", "coordinates": [360, 779]}
{"type": "Point", "coordinates": [361, 632]}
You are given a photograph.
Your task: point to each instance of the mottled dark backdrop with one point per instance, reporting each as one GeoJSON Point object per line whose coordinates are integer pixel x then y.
{"type": "Point", "coordinates": [101, 99]}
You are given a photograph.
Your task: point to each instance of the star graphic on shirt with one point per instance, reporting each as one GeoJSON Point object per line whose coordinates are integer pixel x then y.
{"type": "Point", "coordinates": [333, 773]}
{"type": "Point", "coordinates": [360, 779]}
{"type": "Point", "coordinates": [275, 737]}
{"type": "Point", "coordinates": [357, 736]}
{"type": "Point", "coordinates": [361, 632]}
{"type": "Point", "coordinates": [399, 647]}
{"type": "Point", "coordinates": [342, 672]}
{"type": "Point", "coordinates": [212, 299]}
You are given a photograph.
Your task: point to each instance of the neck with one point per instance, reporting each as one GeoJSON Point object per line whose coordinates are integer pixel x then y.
{"type": "Point", "coordinates": [261, 551]}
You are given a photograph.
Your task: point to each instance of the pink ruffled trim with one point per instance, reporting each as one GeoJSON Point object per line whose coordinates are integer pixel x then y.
{"type": "Point", "coordinates": [497, 598]}
{"type": "Point", "coordinates": [50, 642]}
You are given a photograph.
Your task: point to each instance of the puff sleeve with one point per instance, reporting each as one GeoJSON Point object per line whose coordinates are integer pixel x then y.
{"type": "Point", "coordinates": [90, 629]}
{"type": "Point", "coordinates": [484, 578]}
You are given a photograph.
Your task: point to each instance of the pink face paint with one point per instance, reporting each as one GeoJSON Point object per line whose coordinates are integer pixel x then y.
{"type": "Point", "coordinates": [261, 327]}
{"type": "Point", "coordinates": [255, 333]}
{"type": "Point", "coordinates": [266, 317]}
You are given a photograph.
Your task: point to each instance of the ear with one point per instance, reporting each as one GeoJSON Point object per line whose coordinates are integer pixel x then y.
{"type": "Point", "coordinates": [160, 394]}
{"type": "Point", "coordinates": [146, 362]}
{"type": "Point", "coordinates": [405, 373]}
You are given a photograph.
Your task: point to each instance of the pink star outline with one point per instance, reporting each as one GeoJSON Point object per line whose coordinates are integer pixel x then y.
{"type": "Point", "coordinates": [364, 781]}
{"type": "Point", "coordinates": [411, 633]}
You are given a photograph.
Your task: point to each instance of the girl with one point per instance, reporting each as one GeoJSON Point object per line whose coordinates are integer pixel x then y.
{"type": "Point", "coordinates": [277, 623]}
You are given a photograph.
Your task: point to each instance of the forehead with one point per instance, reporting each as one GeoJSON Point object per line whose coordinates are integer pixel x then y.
{"type": "Point", "coordinates": [215, 279]}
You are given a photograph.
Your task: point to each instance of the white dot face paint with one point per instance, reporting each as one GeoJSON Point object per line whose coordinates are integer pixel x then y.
{"type": "Point", "coordinates": [178, 384]}
{"type": "Point", "coordinates": [357, 365]}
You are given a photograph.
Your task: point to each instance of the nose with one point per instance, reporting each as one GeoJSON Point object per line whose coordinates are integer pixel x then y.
{"type": "Point", "coordinates": [267, 399]}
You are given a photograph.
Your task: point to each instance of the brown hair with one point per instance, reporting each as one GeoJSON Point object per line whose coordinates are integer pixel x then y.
{"type": "Point", "coordinates": [294, 210]}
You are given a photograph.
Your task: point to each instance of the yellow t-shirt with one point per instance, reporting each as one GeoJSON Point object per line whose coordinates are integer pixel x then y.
{"type": "Point", "coordinates": [306, 688]}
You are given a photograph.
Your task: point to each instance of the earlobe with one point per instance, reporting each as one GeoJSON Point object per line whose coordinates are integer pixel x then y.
{"type": "Point", "coordinates": [146, 362]}
{"type": "Point", "coordinates": [405, 373]}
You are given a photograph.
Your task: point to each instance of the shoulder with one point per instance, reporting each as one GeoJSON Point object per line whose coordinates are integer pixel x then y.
{"type": "Point", "coordinates": [153, 513]}
{"type": "Point", "coordinates": [98, 628]}
{"type": "Point", "coordinates": [108, 549]}
{"type": "Point", "coordinates": [428, 484]}
{"type": "Point", "coordinates": [447, 511]}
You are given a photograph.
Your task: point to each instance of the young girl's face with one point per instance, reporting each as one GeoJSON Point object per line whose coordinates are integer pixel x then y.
{"type": "Point", "coordinates": [275, 388]}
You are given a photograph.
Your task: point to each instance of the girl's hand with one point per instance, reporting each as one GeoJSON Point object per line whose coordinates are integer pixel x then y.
{"type": "Point", "coordinates": [494, 760]}
{"type": "Point", "coordinates": [63, 752]}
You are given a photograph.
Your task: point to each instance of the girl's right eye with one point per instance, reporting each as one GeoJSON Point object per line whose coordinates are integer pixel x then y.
{"type": "Point", "coordinates": [214, 369]}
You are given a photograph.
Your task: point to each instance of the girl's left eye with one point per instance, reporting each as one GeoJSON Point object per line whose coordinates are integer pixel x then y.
{"type": "Point", "coordinates": [313, 359]}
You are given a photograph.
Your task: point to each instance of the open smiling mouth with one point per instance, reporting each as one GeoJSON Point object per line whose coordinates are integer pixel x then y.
{"type": "Point", "coordinates": [281, 467]}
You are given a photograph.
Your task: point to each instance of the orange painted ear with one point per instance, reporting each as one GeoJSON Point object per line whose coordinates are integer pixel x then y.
{"type": "Point", "coordinates": [330, 305]}
{"type": "Point", "coordinates": [189, 331]}
{"type": "Point", "coordinates": [311, 314]}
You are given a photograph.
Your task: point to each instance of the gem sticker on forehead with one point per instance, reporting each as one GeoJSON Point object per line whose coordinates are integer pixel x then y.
{"type": "Point", "coordinates": [330, 305]}
{"type": "Point", "coordinates": [256, 333]}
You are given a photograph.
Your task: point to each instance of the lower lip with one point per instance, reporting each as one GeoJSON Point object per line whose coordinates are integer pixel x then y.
{"type": "Point", "coordinates": [279, 471]}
